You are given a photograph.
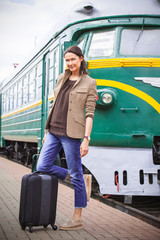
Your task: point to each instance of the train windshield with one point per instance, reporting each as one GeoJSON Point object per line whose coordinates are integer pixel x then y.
{"type": "Point", "coordinates": [101, 44]}
{"type": "Point", "coordinates": [140, 42]}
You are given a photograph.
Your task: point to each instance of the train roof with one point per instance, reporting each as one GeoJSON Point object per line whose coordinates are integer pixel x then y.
{"type": "Point", "coordinates": [96, 9]}
{"type": "Point", "coordinates": [110, 8]}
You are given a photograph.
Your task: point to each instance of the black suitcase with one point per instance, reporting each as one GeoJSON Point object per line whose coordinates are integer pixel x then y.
{"type": "Point", "coordinates": [38, 200]}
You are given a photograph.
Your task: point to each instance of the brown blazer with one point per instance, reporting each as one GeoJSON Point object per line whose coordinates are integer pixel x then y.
{"type": "Point", "coordinates": [82, 101]}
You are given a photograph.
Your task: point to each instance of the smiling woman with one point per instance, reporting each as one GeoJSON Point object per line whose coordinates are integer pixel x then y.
{"type": "Point", "coordinates": [75, 62]}
{"type": "Point", "coordinates": [74, 94]}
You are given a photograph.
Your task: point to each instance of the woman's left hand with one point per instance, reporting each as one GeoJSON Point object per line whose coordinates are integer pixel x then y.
{"type": "Point", "coordinates": [84, 147]}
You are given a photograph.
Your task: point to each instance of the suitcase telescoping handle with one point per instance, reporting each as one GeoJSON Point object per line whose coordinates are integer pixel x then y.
{"type": "Point", "coordinates": [39, 172]}
{"type": "Point", "coordinates": [45, 173]}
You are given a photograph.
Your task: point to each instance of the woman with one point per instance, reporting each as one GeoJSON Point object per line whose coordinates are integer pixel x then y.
{"type": "Point", "coordinates": [69, 121]}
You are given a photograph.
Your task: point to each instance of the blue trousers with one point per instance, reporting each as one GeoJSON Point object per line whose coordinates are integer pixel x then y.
{"type": "Point", "coordinates": [51, 147]}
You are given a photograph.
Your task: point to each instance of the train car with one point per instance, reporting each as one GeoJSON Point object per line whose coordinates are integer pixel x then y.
{"type": "Point", "coordinates": [120, 42]}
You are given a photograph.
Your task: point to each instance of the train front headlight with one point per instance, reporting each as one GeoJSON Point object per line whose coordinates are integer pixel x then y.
{"type": "Point", "coordinates": [107, 98]}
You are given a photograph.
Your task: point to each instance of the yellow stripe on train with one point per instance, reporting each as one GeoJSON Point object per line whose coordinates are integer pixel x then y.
{"type": "Point", "coordinates": [26, 107]}
{"type": "Point", "coordinates": [127, 88]}
{"type": "Point", "coordinates": [123, 62]}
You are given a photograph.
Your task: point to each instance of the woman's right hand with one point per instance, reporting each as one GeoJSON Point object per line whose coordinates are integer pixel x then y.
{"type": "Point", "coordinates": [44, 138]}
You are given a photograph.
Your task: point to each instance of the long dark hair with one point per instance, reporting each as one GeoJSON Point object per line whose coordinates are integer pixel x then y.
{"type": "Point", "coordinates": [76, 50]}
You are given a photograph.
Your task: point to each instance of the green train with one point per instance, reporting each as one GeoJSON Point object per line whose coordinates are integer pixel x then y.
{"type": "Point", "coordinates": [120, 42]}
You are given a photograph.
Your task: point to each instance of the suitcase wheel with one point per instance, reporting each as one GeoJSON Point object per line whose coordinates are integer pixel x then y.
{"type": "Point", "coordinates": [54, 227]}
{"type": "Point", "coordinates": [23, 227]}
{"type": "Point", "coordinates": [45, 226]}
{"type": "Point", "coordinates": [30, 229]}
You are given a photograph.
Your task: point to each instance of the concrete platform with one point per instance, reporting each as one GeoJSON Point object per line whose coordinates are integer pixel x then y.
{"type": "Point", "coordinates": [99, 220]}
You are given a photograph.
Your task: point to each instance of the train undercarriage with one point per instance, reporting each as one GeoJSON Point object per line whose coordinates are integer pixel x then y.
{"type": "Point", "coordinates": [20, 151]}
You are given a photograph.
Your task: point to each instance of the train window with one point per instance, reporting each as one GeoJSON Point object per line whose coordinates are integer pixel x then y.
{"type": "Point", "coordinates": [51, 80]}
{"type": "Point", "coordinates": [36, 85]}
{"type": "Point", "coordinates": [39, 87]}
{"type": "Point", "coordinates": [140, 42]}
{"type": "Point", "coordinates": [31, 86]}
{"type": "Point", "coordinates": [51, 75]}
{"type": "Point", "coordinates": [56, 65]}
{"type": "Point", "coordinates": [102, 44]}
{"type": "Point", "coordinates": [51, 59]}
{"type": "Point", "coordinates": [15, 96]}
{"type": "Point", "coordinates": [19, 93]}
{"type": "Point", "coordinates": [81, 43]}
{"type": "Point", "coordinates": [12, 105]}
{"type": "Point", "coordinates": [39, 69]}
{"type": "Point", "coordinates": [38, 76]}
{"type": "Point", "coordinates": [82, 40]}
{"type": "Point", "coordinates": [7, 100]}
{"type": "Point", "coordinates": [39, 80]}
{"type": "Point", "coordinates": [51, 56]}
{"type": "Point", "coordinates": [11, 99]}
{"type": "Point", "coordinates": [25, 90]}
{"type": "Point", "coordinates": [4, 103]}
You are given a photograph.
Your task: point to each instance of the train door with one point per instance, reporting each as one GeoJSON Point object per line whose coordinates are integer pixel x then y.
{"type": "Point", "coordinates": [45, 87]}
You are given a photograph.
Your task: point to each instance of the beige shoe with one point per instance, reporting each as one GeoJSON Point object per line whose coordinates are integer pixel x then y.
{"type": "Point", "coordinates": [88, 184]}
{"type": "Point", "coordinates": [71, 225]}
